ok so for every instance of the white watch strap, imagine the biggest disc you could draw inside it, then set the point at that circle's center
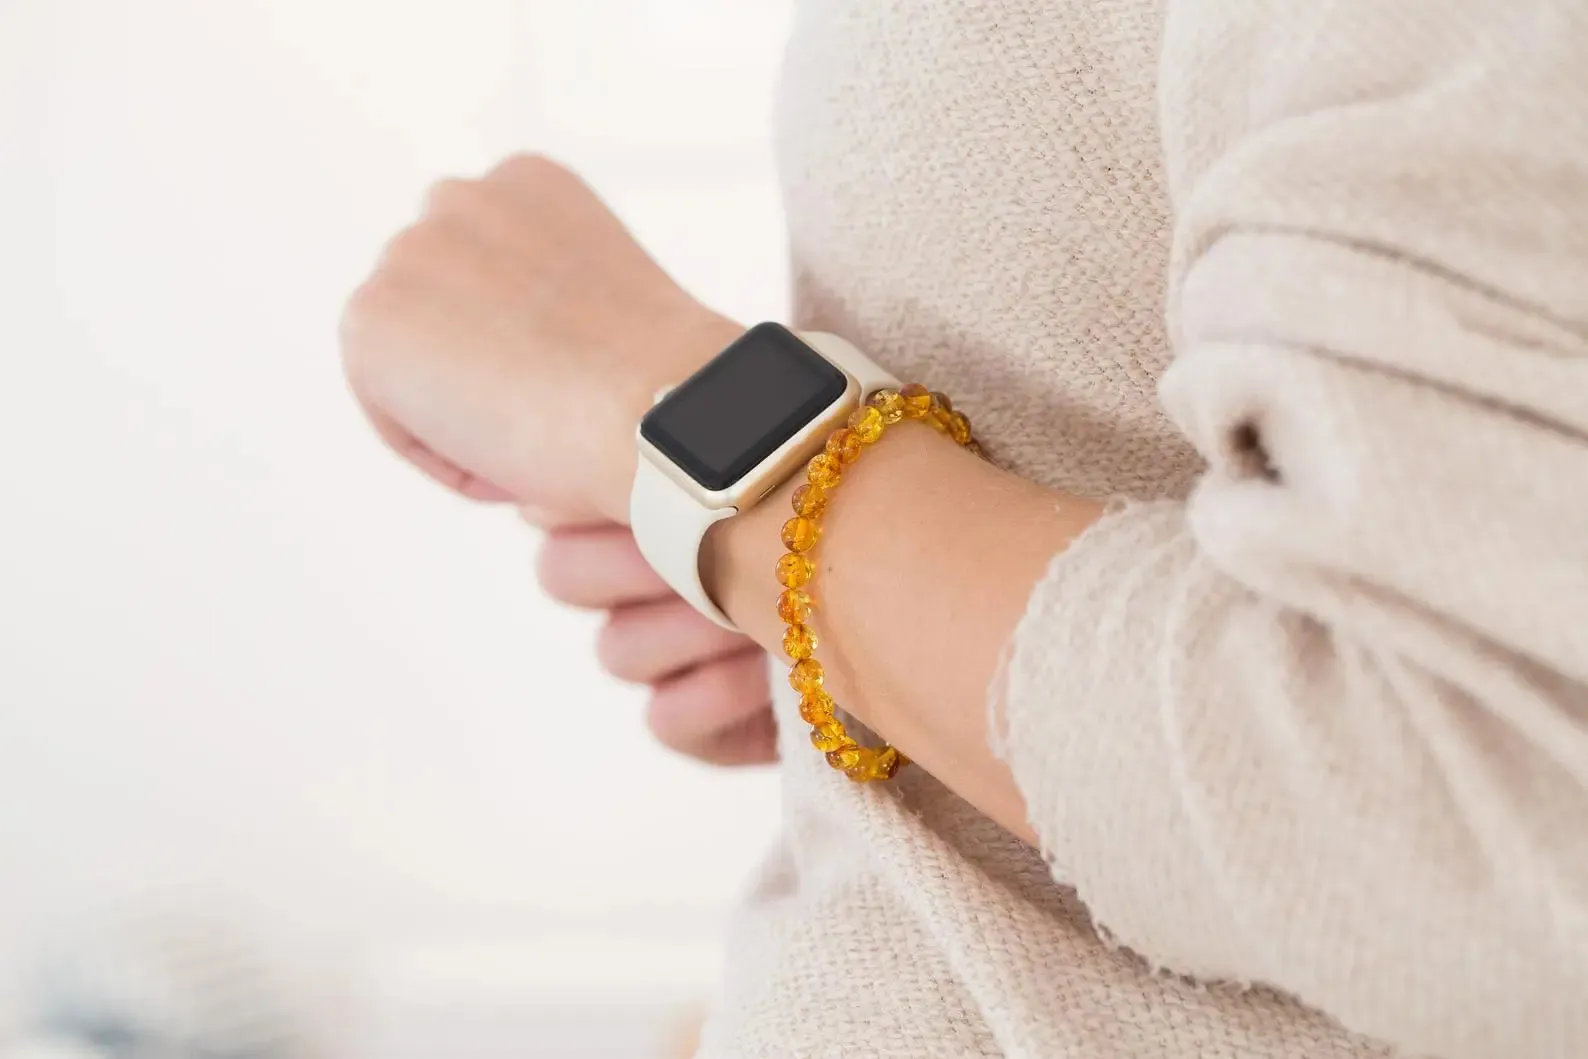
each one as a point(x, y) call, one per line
point(669, 524)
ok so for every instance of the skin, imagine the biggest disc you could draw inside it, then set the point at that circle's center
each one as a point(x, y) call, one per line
point(517, 297)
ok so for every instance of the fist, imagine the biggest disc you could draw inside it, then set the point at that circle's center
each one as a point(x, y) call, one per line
point(508, 341)
point(710, 695)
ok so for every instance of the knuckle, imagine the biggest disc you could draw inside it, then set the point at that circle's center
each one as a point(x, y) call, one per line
point(530, 171)
point(665, 729)
point(375, 299)
point(451, 195)
point(551, 573)
point(412, 246)
point(367, 307)
point(613, 651)
point(538, 518)
point(369, 300)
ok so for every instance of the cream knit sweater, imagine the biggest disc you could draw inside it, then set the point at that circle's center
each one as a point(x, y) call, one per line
point(1305, 720)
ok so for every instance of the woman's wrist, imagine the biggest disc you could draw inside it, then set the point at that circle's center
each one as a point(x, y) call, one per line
point(739, 556)
point(926, 558)
point(900, 541)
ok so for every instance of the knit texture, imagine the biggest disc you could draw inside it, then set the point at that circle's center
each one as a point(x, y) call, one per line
point(1303, 723)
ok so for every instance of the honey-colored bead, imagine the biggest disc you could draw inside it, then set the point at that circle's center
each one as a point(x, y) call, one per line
point(794, 570)
point(799, 642)
point(845, 757)
point(844, 445)
point(794, 606)
point(958, 427)
point(799, 534)
point(942, 408)
point(917, 400)
point(829, 737)
point(816, 707)
point(810, 501)
point(867, 423)
point(860, 771)
point(975, 449)
point(823, 471)
point(806, 675)
point(876, 767)
point(884, 764)
point(889, 403)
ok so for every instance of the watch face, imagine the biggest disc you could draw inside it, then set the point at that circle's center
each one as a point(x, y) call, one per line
point(722, 421)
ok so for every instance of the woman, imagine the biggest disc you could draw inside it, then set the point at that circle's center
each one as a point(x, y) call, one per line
point(1303, 708)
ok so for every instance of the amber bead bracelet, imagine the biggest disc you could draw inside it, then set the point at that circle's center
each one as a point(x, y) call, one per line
point(882, 409)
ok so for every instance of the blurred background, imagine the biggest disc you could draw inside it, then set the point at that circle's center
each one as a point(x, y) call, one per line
point(292, 754)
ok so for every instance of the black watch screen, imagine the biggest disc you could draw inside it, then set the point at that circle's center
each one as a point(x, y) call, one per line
point(722, 421)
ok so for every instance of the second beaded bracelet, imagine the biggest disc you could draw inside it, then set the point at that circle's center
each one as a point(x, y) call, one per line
point(796, 570)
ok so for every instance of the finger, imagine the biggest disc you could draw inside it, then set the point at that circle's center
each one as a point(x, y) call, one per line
point(433, 466)
point(644, 643)
point(720, 712)
point(546, 519)
point(599, 568)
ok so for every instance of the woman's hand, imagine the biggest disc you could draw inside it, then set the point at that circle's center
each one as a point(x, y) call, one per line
point(710, 696)
point(510, 339)
point(507, 343)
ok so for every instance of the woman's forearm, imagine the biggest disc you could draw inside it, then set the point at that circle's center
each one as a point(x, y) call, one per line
point(925, 562)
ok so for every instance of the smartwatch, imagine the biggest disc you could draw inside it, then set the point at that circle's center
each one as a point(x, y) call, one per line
point(728, 435)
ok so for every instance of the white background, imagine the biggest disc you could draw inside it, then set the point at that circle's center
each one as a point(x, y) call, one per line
point(250, 664)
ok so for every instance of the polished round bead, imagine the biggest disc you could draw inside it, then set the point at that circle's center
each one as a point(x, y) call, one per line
point(975, 449)
point(845, 757)
point(885, 763)
point(867, 423)
point(844, 445)
point(799, 643)
point(794, 606)
point(794, 570)
point(889, 403)
point(799, 534)
point(829, 737)
point(810, 501)
point(806, 675)
point(860, 771)
point(917, 400)
point(823, 471)
point(816, 707)
point(958, 427)
point(876, 764)
point(937, 417)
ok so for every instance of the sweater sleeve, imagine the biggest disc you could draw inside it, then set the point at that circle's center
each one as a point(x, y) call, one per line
point(1325, 726)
